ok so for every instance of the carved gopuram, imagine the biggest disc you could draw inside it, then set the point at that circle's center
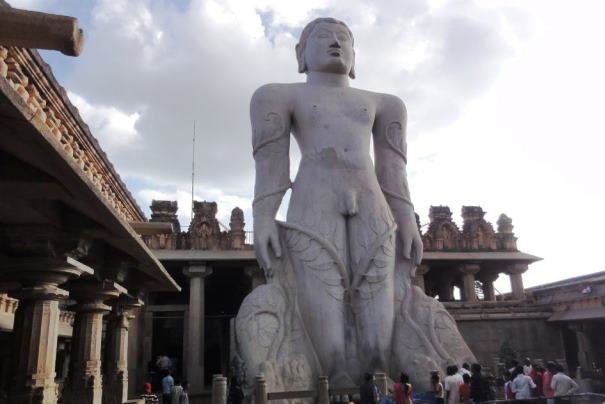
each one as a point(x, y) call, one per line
point(73, 267)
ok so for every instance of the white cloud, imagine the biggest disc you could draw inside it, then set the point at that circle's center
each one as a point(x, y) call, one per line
point(503, 98)
point(113, 128)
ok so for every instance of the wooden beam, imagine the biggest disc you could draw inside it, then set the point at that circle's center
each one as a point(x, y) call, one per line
point(31, 29)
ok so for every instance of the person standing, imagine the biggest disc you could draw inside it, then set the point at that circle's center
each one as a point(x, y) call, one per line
point(368, 391)
point(437, 388)
point(480, 390)
point(508, 392)
point(465, 370)
point(465, 389)
point(176, 393)
point(167, 384)
point(527, 367)
point(522, 384)
point(562, 384)
point(538, 378)
point(402, 391)
point(148, 395)
point(452, 383)
point(548, 392)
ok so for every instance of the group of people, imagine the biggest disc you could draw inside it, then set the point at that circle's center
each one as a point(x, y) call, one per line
point(173, 392)
point(462, 385)
point(534, 381)
point(459, 386)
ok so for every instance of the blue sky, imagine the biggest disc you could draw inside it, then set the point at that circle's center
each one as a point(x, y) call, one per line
point(504, 101)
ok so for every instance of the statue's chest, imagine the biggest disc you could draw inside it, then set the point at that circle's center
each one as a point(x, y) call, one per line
point(335, 111)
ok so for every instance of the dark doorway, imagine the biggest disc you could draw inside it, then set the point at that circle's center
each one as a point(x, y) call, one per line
point(226, 288)
point(570, 344)
point(167, 340)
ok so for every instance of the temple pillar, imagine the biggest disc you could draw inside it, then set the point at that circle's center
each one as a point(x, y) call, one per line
point(36, 326)
point(468, 281)
point(516, 280)
point(84, 384)
point(256, 274)
point(584, 346)
point(194, 360)
point(418, 278)
point(487, 280)
point(115, 385)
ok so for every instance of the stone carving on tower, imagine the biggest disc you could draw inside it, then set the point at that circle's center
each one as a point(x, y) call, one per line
point(477, 233)
point(237, 235)
point(442, 234)
point(204, 231)
point(506, 238)
point(164, 212)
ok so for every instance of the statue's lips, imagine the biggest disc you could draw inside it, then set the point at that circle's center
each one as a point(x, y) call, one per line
point(335, 52)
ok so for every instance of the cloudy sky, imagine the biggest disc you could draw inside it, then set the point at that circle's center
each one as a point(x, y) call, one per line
point(504, 100)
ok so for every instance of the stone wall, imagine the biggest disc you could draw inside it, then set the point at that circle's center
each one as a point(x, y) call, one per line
point(491, 339)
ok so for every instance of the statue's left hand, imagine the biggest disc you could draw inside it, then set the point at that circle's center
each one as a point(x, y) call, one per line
point(409, 235)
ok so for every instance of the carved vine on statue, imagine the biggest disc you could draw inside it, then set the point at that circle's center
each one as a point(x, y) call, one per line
point(339, 300)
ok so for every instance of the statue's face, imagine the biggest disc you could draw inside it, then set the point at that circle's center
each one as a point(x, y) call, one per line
point(329, 49)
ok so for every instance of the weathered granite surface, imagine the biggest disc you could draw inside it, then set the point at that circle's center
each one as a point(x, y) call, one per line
point(339, 301)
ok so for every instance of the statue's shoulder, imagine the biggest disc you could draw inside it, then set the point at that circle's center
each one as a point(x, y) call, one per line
point(275, 92)
point(384, 102)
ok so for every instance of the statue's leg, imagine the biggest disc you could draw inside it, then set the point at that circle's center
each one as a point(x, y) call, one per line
point(372, 256)
point(320, 279)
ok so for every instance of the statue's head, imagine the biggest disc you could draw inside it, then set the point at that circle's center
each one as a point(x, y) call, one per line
point(326, 45)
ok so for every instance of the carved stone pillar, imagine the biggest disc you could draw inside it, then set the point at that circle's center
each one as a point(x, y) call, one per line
point(194, 360)
point(487, 280)
point(516, 280)
point(115, 379)
point(418, 278)
point(36, 327)
point(468, 281)
point(256, 274)
point(85, 384)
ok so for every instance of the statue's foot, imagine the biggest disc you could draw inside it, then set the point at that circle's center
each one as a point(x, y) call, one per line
point(341, 380)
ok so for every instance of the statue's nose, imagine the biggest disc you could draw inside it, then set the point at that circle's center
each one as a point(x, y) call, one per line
point(335, 44)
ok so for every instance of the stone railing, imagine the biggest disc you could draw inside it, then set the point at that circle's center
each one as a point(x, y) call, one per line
point(59, 122)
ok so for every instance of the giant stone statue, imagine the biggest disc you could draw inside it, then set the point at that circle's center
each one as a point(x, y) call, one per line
point(339, 300)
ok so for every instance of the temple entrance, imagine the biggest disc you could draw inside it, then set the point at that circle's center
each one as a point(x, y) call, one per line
point(226, 288)
point(167, 340)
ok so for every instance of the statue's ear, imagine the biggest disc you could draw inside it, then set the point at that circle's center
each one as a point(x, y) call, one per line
point(352, 71)
point(300, 56)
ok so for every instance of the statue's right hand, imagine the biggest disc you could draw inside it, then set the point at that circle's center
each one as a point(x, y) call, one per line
point(265, 234)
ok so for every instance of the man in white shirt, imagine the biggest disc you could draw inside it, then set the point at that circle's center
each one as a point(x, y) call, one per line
point(522, 385)
point(452, 383)
point(562, 384)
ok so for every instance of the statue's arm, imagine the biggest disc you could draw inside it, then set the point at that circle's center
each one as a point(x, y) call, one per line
point(390, 160)
point(270, 118)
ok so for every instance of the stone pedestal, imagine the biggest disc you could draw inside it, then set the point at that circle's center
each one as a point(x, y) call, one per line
point(194, 360)
point(418, 278)
point(468, 281)
point(323, 390)
point(84, 384)
point(115, 379)
point(219, 389)
point(36, 328)
point(260, 390)
point(516, 280)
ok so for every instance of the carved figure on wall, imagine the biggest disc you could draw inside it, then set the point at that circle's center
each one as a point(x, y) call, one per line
point(339, 301)
point(204, 231)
